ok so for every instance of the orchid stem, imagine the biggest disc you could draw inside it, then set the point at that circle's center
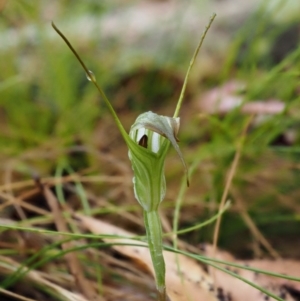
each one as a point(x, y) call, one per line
point(92, 78)
point(179, 103)
point(154, 237)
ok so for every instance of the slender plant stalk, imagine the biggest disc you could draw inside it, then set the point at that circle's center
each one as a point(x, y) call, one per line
point(91, 77)
point(154, 237)
point(180, 100)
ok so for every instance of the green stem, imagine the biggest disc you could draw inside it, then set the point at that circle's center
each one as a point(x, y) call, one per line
point(179, 103)
point(92, 78)
point(154, 237)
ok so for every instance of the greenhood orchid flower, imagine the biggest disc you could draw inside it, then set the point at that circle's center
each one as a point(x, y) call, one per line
point(153, 133)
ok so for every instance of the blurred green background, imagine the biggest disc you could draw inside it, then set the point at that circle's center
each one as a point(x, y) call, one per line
point(139, 52)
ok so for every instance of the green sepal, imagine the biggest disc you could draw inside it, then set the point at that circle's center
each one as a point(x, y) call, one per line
point(148, 162)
